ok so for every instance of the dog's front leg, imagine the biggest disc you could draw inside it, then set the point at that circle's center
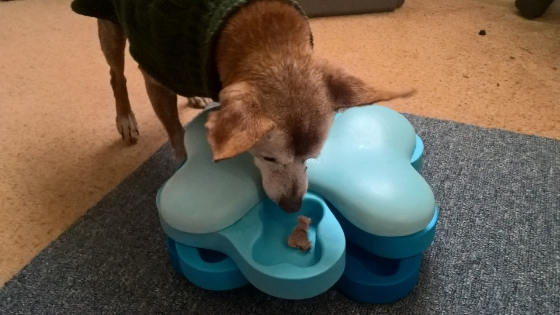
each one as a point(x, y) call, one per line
point(113, 42)
point(164, 102)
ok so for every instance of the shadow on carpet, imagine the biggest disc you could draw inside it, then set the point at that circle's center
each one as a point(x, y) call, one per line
point(496, 249)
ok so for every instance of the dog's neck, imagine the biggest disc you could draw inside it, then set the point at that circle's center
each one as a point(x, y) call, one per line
point(258, 37)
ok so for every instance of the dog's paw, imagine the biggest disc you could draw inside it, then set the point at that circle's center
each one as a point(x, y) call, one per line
point(127, 127)
point(198, 102)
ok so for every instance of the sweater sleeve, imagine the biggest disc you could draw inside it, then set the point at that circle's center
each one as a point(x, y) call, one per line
point(101, 9)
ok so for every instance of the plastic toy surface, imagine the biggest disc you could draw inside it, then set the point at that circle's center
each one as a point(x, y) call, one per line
point(372, 215)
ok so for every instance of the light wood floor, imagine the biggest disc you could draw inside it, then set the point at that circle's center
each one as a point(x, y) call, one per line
point(60, 152)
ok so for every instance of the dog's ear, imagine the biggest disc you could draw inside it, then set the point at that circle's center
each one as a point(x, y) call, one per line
point(348, 91)
point(238, 124)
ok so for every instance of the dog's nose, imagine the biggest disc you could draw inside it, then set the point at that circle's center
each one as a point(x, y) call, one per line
point(290, 206)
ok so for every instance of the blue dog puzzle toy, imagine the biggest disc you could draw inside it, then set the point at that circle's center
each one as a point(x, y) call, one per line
point(372, 215)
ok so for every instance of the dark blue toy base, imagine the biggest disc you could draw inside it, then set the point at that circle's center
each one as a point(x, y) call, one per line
point(205, 268)
point(373, 279)
point(367, 278)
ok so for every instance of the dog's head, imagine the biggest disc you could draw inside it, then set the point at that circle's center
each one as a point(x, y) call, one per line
point(282, 117)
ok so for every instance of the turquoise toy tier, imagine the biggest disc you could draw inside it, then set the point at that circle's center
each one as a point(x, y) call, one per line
point(372, 215)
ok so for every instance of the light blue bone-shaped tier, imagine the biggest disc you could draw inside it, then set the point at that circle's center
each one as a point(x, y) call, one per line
point(222, 207)
point(223, 232)
point(367, 173)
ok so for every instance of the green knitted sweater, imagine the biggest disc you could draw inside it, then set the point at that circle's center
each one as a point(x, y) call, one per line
point(174, 41)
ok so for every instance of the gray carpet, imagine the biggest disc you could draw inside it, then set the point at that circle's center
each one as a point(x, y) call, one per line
point(496, 248)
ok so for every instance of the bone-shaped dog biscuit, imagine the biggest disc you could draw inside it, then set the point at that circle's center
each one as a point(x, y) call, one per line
point(299, 238)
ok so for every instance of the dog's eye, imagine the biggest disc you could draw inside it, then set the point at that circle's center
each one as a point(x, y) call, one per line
point(269, 159)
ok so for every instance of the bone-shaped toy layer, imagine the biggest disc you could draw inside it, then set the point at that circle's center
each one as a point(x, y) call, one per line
point(203, 196)
point(364, 170)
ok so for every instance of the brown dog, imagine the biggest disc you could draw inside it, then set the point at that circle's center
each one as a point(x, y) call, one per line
point(278, 100)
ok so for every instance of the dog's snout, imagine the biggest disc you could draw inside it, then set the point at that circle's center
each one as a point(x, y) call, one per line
point(290, 206)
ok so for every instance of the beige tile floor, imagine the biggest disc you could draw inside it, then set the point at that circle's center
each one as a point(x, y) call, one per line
point(60, 152)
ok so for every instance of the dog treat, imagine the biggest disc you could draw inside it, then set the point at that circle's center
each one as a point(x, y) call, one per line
point(299, 238)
